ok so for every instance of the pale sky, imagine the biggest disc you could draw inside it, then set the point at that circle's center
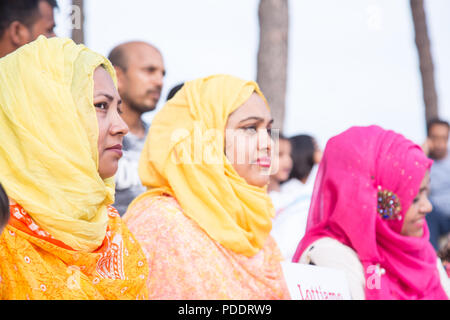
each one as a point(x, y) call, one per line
point(351, 62)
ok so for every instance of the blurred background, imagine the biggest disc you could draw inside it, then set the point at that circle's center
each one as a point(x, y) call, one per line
point(324, 65)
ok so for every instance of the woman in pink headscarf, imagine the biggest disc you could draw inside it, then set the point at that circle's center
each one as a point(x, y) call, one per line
point(367, 217)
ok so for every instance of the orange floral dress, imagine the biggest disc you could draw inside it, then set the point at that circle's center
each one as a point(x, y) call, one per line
point(34, 265)
point(185, 263)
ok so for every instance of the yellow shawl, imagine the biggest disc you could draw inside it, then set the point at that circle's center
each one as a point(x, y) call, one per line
point(49, 132)
point(184, 157)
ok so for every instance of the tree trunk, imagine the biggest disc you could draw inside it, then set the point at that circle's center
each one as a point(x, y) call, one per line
point(78, 21)
point(425, 59)
point(273, 55)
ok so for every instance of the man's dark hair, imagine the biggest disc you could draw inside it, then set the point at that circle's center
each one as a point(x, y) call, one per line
point(435, 122)
point(4, 207)
point(118, 58)
point(24, 11)
point(303, 149)
point(174, 90)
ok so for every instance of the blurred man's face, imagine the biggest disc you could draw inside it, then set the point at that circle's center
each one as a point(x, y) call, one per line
point(438, 136)
point(45, 23)
point(142, 82)
point(19, 34)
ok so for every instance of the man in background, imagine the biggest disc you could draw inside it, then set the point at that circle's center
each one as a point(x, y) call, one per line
point(22, 21)
point(437, 147)
point(140, 74)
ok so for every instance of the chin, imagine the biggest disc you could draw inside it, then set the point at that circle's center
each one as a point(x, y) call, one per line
point(261, 182)
point(108, 172)
point(416, 234)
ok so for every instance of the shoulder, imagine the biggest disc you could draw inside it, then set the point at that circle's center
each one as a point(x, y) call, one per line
point(153, 207)
point(445, 280)
point(292, 185)
point(157, 215)
point(328, 252)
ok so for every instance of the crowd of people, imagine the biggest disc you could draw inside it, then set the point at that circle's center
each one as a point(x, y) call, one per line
point(202, 203)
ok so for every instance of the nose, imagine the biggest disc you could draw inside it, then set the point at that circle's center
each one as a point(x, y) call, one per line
point(426, 207)
point(118, 125)
point(159, 78)
point(264, 140)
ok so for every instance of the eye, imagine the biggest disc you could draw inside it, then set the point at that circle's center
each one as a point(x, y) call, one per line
point(269, 131)
point(250, 129)
point(101, 105)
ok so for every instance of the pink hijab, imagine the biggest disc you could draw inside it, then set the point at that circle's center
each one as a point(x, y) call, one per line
point(344, 207)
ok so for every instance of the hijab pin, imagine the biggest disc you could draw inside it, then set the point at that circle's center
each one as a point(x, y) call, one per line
point(388, 205)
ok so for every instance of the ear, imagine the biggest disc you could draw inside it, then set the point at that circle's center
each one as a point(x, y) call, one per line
point(19, 34)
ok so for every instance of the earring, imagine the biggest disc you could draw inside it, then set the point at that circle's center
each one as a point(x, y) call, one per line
point(388, 205)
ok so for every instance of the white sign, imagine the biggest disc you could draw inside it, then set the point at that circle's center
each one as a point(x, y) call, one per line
point(308, 282)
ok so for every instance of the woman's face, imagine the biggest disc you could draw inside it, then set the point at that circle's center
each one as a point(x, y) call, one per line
point(284, 161)
point(414, 221)
point(248, 144)
point(317, 156)
point(111, 127)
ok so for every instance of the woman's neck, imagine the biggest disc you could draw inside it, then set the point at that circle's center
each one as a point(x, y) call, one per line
point(274, 185)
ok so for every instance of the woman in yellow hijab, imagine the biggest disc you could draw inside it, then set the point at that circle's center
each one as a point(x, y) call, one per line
point(204, 222)
point(61, 141)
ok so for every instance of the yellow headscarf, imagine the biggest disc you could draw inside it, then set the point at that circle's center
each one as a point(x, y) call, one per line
point(49, 133)
point(184, 157)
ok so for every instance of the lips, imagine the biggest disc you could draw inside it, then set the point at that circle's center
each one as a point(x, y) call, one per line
point(419, 223)
point(117, 149)
point(264, 162)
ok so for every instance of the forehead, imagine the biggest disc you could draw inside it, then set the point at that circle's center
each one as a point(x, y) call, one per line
point(285, 145)
point(103, 82)
point(425, 180)
point(46, 12)
point(142, 54)
point(439, 129)
point(253, 107)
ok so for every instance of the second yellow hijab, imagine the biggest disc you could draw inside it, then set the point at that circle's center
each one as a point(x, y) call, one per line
point(48, 144)
point(184, 157)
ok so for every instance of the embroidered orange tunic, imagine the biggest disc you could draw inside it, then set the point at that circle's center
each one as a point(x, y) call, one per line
point(185, 263)
point(34, 265)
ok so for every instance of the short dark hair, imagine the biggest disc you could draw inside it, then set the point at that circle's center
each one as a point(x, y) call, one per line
point(4, 208)
point(24, 11)
point(436, 121)
point(118, 57)
point(303, 148)
point(174, 90)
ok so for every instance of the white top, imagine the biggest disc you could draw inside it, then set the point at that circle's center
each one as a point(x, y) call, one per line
point(328, 252)
point(291, 206)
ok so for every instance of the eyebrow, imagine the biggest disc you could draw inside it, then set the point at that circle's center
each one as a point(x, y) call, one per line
point(108, 96)
point(255, 118)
